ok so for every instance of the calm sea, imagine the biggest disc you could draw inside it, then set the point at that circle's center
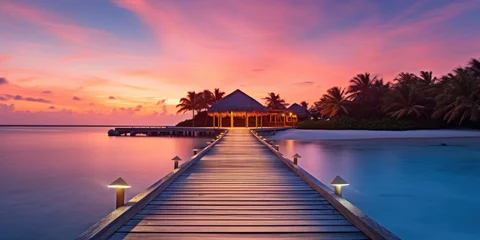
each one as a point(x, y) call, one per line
point(414, 187)
point(53, 180)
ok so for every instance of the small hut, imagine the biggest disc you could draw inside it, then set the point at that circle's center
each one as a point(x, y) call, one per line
point(299, 111)
point(240, 105)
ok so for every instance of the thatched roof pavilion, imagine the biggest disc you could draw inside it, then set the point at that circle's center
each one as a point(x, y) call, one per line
point(239, 103)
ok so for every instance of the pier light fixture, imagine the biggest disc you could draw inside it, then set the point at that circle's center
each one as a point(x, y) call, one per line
point(295, 158)
point(277, 147)
point(120, 185)
point(175, 164)
point(195, 151)
point(338, 183)
point(208, 143)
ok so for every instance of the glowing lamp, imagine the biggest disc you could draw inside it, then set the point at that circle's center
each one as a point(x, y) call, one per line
point(175, 164)
point(338, 183)
point(295, 158)
point(120, 185)
point(195, 151)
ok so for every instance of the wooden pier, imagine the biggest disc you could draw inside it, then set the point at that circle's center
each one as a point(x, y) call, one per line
point(238, 187)
point(166, 131)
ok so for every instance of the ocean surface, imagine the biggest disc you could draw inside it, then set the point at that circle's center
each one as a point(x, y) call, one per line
point(53, 180)
point(416, 188)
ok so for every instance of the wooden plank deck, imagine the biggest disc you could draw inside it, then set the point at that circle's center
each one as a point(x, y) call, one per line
point(239, 189)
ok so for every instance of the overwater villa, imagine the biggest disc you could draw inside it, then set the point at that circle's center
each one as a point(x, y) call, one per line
point(240, 110)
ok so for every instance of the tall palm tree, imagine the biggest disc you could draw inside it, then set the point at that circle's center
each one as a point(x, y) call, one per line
point(460, 97)
point(189, 103)
point(427, 78)
point(406, 78)
point(217, 95)
point(405, 100)
point(361, 84)
point(274, 101)
point(335, 102)
point(205, 99)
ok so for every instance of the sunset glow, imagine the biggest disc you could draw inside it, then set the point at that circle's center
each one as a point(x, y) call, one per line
point(130, 61)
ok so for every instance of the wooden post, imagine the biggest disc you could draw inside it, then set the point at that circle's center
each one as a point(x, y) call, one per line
point(246, 119)
point(119, 186)
point(175, 164)
point(256, 121)
point(295, 158)
point(213, 117)
point(220, 118)
point(231, 119)
point(275, 120)
point(120, 197)
point(261, 121)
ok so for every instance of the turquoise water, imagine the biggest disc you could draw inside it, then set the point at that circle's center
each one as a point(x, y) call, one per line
point(414, 187)
point(53, 180)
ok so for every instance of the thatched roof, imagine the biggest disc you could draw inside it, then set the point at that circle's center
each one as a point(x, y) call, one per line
point(237, 101)
point(299, 110)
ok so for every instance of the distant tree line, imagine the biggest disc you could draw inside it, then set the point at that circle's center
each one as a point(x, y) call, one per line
point(453, 98)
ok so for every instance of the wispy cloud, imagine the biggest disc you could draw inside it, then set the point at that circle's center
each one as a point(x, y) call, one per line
point(75, 98)
point(17, 97)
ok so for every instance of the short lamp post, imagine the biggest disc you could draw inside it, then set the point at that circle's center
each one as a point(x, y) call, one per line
point(175, 164)
point(338, 183)
point(120, 186)
point(295, 158)
point(277, 147)
point(195, 151)
point(208, 143)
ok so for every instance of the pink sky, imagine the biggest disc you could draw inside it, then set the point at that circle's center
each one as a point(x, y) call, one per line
point(130, 61)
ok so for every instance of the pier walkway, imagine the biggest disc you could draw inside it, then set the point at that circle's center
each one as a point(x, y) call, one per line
point(239, 189)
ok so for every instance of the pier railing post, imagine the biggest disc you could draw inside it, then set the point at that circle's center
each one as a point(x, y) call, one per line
point(119, 186)
point(338, 183)
point(175, 164)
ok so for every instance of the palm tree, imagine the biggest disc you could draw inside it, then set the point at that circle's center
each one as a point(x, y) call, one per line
point(427, 78)
point(217, 95)
point(274, 101)
point(205, 99)
point(405, 100)
point(189, 103)
point(360, 85)
point(474, 65)
point(304, 104)
point(406, 78)
point(460, 97)
point(334, 102)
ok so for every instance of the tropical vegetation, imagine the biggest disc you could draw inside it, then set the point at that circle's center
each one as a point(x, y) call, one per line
point(199, 102)
point(409, 101)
